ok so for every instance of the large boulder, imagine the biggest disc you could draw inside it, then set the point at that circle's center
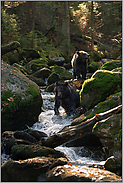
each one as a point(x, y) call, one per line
point(100, 86)
point(29, 151)
point(110, 132)
point(21, 99)
point(69, 173)
point(29, 170)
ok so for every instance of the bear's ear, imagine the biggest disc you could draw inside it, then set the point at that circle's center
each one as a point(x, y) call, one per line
point(78, 53)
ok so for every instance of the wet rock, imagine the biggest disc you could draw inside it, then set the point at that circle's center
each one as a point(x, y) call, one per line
point(21, 99)
point(35, 133)
point(101, 85)
point(30, 151)
point(110, 65)
point(28, 170)
point(114, 164)
point(69, 173)
point(42, 73)
point(24, 136)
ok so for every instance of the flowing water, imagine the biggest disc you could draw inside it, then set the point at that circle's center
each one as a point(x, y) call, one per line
point(50, 124)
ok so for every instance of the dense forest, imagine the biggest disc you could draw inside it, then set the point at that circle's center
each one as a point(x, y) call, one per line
point(57, 126)
point(57, 28)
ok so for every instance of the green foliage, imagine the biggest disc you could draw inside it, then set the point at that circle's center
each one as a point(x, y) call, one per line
point(9, 27)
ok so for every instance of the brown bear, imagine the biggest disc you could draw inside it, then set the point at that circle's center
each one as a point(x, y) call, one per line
point(79, 64)
point(66, 96)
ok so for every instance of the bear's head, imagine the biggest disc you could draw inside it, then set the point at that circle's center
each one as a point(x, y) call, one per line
point(84, 55)
point(62, 89)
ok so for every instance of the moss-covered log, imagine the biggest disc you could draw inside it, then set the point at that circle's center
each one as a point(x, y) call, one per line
point(10, 47)
point(71, 132)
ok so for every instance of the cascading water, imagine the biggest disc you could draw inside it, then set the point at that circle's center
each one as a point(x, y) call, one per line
point(51, 124)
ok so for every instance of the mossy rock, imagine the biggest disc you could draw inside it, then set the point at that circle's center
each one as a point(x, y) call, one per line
point(93, 66)
point(20, 68)
point(31, 151)
point(101, 85)
point(109, 132)
point(110, 102)
point(29, 54)
point(62, 72)
point(112, 65)
point(38, 81)
point(21, 99)
point(56, 61)
point(53, 77)
point(7, 144)
point(35, 65)
point(11, 58)
point(42, 73)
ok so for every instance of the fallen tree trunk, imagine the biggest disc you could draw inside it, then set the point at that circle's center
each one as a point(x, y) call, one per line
point(70, 132)
point(9, 47)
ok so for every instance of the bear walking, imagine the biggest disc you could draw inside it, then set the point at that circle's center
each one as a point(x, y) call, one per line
point(79, 64)
point(66, 96)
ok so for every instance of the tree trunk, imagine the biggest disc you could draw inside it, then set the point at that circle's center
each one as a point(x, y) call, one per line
point(65, 24)
point(92, 26)
point(70, 132)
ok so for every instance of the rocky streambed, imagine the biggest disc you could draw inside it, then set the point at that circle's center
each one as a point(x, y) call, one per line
point(32, 162)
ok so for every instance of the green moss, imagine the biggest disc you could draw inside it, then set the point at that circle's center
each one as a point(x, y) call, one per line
point(62, 72)
point(30, 151)
point(102, 84)
point(112, 65)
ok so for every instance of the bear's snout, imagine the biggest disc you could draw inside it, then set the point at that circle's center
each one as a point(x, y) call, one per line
point(59, 94)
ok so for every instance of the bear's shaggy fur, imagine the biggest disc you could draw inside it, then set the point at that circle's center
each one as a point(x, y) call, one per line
point(66, 96)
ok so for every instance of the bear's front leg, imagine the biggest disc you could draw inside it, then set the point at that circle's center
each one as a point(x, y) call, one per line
point(57, 105)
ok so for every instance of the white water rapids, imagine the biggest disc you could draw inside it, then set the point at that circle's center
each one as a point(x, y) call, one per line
point(50, 124)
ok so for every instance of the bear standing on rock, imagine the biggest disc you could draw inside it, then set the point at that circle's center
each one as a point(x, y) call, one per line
point(79, 64)
point(66, 96)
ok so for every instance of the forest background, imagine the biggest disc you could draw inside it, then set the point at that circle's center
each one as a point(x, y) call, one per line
point(59, 28)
